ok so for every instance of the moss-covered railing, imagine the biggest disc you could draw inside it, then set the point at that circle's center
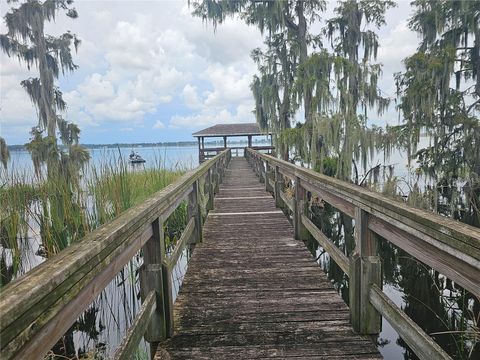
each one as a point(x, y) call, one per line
point(447, 246)
point(39, 307)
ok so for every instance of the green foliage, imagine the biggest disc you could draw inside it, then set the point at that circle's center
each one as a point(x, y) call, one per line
point(285, 26)
point(26, 40)
point(47, 209)
point(440, 100)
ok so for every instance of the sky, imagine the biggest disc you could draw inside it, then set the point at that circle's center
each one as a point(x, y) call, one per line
point(150, 72)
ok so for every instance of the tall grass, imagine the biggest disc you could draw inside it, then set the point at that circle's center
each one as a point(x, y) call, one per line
point(39, 218)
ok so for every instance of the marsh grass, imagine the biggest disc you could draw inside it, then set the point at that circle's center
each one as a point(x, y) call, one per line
point(39, 218)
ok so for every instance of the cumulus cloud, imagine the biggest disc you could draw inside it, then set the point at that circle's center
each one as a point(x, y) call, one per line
point(158, 125)
point(141, 61)
point(209, 116)
point(190, 97)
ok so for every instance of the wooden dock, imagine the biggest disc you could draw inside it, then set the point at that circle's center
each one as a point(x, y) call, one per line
point(252, 291)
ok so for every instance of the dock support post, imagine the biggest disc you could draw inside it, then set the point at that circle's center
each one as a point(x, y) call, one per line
point(278, 188)
point(168, 298)
point(211, 193)
point(365, 270)
point(300, 207)
point(193, 210)
point(268, 175)
point(216, 178)
point(261, 170)
point(151, 278)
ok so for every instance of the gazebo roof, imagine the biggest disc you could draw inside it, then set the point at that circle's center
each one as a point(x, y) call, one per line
point(231, 130)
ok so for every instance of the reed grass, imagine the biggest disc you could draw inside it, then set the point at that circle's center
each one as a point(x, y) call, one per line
point(39, 217)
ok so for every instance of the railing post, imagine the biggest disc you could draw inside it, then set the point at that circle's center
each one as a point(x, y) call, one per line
point(211, 193)
point(261, 170)
point(216, 178)
point(151, 278)
point(300, 206)
point(365, 270)
point(268, 176)
point(168, 298)
point(193, 210)
point(278, 188)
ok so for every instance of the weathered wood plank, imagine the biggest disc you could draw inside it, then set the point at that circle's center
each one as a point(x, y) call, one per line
point(460, 236)
point(422, 344)
point(180, 245)
point(443, 261)
point(253, 291)
point(130, 342)
point(37, 308)
point(337, 255)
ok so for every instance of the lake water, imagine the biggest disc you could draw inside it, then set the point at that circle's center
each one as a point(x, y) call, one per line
point(100, 329)
point(169, 157)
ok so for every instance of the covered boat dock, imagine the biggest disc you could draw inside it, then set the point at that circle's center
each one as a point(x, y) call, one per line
point(225, 131)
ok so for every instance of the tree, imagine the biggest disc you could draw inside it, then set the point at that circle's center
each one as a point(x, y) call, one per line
point(273, 18)
point(4, 153)
point(27, 41)
point(439, 95)
point(273, 88)
point(52, 56)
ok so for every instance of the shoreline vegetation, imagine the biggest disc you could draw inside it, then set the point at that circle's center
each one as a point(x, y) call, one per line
point(42, 216)
point(149, 144)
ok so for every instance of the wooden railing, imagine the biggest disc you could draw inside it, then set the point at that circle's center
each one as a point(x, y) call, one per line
point(39, 307)
point(447, 246)
point(208, 153)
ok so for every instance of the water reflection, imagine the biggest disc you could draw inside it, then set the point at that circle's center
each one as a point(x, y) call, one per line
point(441, 308)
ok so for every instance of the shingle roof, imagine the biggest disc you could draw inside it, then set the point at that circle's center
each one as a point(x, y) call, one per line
point(231, 130)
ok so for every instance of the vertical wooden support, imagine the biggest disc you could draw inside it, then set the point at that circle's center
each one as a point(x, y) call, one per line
point(151, 278)
point(225, 142)
point(261, 170)
point(193, 210)
point(278, 188)
point(216, 178)
point(200, 152)
point(168, 298)
point(249, 141)
point(268, 176)
point(300, 207)
point(365, 270)
point(211, 193)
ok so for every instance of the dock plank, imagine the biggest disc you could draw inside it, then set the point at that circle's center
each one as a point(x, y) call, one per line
point(252, 291)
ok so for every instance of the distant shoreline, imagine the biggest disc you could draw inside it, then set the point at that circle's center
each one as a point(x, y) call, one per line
point(140, 145)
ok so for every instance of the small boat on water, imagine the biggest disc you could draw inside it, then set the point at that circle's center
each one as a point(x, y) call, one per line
point(135, 158)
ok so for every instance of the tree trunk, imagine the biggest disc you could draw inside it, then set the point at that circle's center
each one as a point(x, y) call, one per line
point(303, 56)
point(476, 52)
point(46, 103)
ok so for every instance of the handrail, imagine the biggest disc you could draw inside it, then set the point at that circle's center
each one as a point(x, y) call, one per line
point(448, 246)
point(40, 306)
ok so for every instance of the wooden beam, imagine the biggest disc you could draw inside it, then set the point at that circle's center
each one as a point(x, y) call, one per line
point(39, 307)
point(462, 237)
point(129, 344)
point(333, 251)
point(422, 344)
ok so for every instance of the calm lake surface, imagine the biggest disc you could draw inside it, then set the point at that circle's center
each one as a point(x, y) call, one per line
point(100, 329)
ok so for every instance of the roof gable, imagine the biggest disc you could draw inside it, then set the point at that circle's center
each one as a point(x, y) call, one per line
point(231, 130)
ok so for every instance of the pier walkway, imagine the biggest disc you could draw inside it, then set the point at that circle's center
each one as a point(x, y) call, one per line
point(252, 291)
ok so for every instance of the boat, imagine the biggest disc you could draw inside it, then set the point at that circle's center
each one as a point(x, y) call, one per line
point(135, 158)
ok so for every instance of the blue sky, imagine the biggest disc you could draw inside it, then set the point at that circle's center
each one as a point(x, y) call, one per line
point(149, 72)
